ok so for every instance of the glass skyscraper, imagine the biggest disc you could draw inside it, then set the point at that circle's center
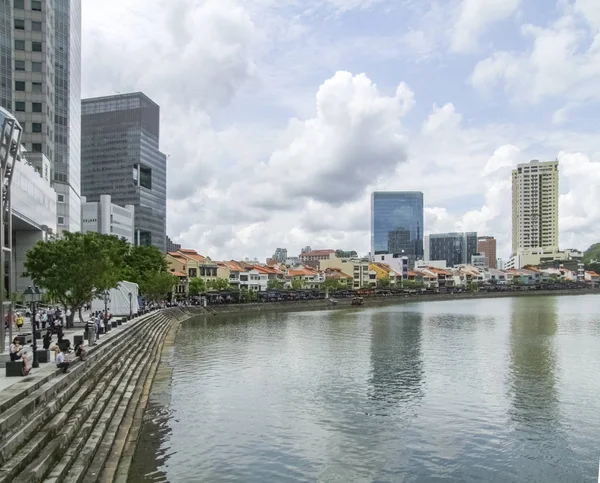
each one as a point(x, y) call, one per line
point(397, 224)
point(120, 157)
point(455, 248)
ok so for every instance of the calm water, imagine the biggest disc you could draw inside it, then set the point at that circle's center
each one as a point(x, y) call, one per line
point(498, 390)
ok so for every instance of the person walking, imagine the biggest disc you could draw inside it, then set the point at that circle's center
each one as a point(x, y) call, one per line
point(19, 322)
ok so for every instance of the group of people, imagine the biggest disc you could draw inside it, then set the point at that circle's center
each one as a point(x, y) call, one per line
point(51, 318)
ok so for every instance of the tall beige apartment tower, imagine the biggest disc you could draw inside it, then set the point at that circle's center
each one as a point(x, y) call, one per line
point(535, 206)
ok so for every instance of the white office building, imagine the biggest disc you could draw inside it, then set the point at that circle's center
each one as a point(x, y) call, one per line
point(107, 218)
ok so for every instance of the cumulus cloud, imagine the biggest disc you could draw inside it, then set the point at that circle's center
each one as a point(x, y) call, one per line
point(563, 60)
point(273, 142)
point(474, 17)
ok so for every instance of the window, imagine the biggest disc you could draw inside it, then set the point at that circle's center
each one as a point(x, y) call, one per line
point(36, 147)
point(36, 107)
point(36, 5)
point(146, 177)
point(36, 127)
point(36, 67)
point(19, 65)
point(36, 87)
point(20, 106)
point(36, 46)
point(19, 85)
point(19, 45)
point(19, 4)
point(60, 198)
point(19, 24)
point(36, 26)
point(61, 220)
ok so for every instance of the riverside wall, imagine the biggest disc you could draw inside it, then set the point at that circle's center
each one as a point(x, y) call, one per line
point(304, 305)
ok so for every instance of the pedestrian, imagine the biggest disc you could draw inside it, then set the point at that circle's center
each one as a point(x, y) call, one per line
point(44, 318)
point(47, 340)
point(19, 322)
point(81, 352)
point(61, 360)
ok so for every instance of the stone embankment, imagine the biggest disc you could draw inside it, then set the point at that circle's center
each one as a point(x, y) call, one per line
point(321, 304)
point(82, 426)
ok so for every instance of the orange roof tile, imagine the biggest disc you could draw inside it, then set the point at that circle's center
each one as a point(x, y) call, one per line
point(316, 253)
point(179, 274)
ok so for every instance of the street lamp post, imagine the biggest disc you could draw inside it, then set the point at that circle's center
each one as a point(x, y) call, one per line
point(33, 296)
point(130, 311)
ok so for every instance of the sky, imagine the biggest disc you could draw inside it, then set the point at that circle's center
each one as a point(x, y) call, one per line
point(280, 117)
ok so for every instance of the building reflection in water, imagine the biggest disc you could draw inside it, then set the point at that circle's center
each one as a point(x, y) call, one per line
point(396, 358)
point(533, 387)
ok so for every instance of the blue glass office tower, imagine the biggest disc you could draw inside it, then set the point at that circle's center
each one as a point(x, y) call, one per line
point(397, 223)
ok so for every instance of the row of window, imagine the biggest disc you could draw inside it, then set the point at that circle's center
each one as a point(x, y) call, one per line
point(36, 87)
point(36, 5)
point(35, 106)
point(35, 46)
point(35, 26)
point(22, 66)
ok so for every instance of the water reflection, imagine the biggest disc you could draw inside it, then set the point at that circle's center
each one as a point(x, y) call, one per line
point(396, 359)
point(533, 393)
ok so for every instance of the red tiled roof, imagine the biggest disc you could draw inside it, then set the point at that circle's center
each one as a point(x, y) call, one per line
point(301, 272)
point(179, 274)
point(592, 274)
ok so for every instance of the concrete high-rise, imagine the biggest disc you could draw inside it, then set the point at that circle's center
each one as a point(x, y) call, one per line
point(45, 47)
point(397, 224)
point(487, 246)
point(535, 207)
point(120, 157)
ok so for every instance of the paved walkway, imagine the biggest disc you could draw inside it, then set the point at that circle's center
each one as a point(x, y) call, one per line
point(20, 383)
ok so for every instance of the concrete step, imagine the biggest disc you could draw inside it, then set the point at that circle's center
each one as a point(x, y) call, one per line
point(20, 422)
point(83, 449)
point(94, 456)
point(62, 428)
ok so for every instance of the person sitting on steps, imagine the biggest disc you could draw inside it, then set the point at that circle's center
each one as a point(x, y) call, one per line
point(61, 360)
point(17, 353)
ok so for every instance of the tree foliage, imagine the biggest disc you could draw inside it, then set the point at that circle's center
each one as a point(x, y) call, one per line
point(142, 262)
point(592, 257)
point(298, 284)
point(384, 282)
point(275, 284)
point(76, 267)
point(155, 287)
point(218, 284)
point(331, 284)
point(197, 286)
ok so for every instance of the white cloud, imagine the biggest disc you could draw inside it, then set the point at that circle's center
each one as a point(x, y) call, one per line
point(272, 141)
point(563, 62)
point(474, 17)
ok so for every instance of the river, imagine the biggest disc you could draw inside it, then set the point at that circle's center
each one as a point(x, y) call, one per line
point(486, 390)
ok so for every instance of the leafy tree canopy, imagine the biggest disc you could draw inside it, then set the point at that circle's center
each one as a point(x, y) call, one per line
point(156, 286)
point(218, 284)
point(331, 284)
point(77, 266)
point(142, 262)
point(592, 254)
point(197, 286)
point(276, 284)
point(298, 283)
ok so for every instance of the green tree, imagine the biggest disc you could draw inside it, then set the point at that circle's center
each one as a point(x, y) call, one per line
point(76, 267)
point(156, 286)
point(218, 284)
point(142, 262)
point(276, 284)
point(298, 284)
point(384, 282)
point(331, 285)
point(197, 286)
point(592, 254)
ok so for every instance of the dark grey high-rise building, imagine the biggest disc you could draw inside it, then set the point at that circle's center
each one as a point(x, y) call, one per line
point(455, 248)
point(397, 224)
point(120, 157)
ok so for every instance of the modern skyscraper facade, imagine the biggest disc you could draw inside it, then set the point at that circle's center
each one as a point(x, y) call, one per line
point(120, 157)
point(280, 255)
point(67, 113)
point(397, 224)
point(455, 248)
point(171, 246)
point(6, 47)
point(535, 206)
point(46, 92)
point(487, 246)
